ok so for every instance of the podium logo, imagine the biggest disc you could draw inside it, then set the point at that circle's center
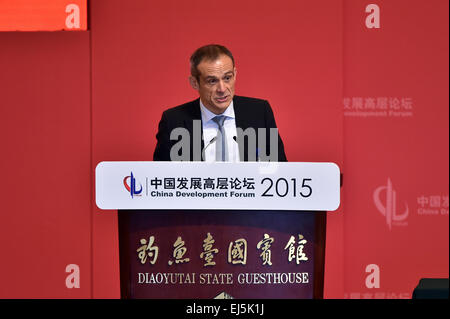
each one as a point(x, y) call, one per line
point(389, 208)
point(130, 185)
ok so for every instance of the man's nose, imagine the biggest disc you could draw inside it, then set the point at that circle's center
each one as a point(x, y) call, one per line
point(221, 86)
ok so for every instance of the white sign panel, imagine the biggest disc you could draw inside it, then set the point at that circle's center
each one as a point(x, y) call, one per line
point(220, 185)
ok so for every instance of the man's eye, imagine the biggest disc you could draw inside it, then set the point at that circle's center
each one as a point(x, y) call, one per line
point(212, 81)
point(227, 78)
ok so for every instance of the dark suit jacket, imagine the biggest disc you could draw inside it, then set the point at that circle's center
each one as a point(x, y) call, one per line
point(249, 112)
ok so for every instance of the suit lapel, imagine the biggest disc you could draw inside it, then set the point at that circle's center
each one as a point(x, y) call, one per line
point(243, 122)
point(194, 114)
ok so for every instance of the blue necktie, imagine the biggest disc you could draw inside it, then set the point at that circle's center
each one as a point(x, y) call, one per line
point(221, 153)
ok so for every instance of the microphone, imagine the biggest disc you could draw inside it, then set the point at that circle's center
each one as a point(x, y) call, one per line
point(239, 155)
point(204, 149)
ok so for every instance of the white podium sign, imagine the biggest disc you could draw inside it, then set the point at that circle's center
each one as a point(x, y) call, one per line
point(221, 185)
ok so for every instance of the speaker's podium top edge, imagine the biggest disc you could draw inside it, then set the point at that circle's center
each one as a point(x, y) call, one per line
point(287, 186)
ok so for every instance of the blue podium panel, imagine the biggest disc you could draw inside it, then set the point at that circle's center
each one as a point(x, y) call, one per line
point(221, 254)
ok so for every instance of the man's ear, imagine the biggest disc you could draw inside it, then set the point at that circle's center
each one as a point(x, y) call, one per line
point(235, 72)
point(194, 83)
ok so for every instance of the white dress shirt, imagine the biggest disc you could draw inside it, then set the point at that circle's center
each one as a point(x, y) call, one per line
point(210, 129)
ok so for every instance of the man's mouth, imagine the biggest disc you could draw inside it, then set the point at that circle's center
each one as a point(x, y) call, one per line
point(222, 99)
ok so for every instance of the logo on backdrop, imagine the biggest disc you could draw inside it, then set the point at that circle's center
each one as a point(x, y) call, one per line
point(389, 208)
point(378, 106)
point(130, 185)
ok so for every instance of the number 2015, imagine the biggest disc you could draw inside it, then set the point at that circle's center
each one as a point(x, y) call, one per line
point(282, 187)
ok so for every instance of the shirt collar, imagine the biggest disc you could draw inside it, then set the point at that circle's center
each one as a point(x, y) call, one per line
point(207, 115)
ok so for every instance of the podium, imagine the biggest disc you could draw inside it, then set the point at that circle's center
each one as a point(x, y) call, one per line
point(196, 230)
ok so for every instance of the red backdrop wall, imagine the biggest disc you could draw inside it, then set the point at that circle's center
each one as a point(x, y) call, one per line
point(400, 69)
point(46, 163)
point(71, 100)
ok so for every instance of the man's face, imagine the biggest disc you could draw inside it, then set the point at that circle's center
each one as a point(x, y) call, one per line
point(216, 83)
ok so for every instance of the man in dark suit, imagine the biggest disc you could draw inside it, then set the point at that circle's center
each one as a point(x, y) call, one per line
point(218, 125)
